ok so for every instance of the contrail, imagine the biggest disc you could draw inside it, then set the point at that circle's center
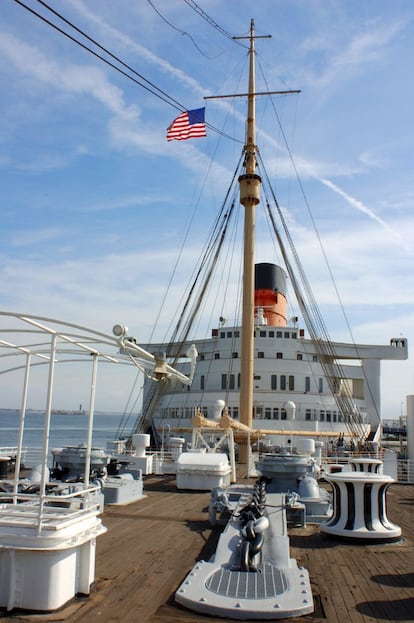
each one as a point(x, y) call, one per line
point(359, 206)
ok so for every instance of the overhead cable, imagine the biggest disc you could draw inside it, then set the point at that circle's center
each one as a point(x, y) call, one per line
point(149, 86)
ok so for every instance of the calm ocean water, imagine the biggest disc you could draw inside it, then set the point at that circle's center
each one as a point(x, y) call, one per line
point(65, 430)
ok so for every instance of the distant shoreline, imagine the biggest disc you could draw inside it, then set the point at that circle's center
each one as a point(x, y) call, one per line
point(61, 411)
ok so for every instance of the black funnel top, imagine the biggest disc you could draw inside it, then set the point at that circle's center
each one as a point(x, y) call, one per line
point(270, 277)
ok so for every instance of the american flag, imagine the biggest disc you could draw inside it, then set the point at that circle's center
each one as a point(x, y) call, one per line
point(190, 124)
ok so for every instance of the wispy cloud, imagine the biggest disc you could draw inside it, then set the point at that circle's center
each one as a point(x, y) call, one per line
point(343, 56)
point(36, 237)
point(143, 52)
point(70, 78)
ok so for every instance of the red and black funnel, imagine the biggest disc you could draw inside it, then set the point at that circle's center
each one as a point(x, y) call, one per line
point(270, 293)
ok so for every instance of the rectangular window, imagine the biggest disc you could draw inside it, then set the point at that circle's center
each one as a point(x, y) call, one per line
point(299, 356)
point(279, 355)
point(231, 381)
point(237, 334)
point(235, 355)
point(273, 381)
point(229, 333)
point(258, 413)
point(307, 383)
point(202, 356)
point(283, 415)
point(320, 386)
point(222, 334)
point(321, 416)
point(328, 416)
point(202, 382)
point(282, 382)
point(235, 413)
point(294, 336)
point(216, 355)
point(268, 413)
point(291, 383)
point(287, 334)
point(308, 415)
point(314, 358)
point(224, 381)
point(260, 355)
point(275, 413)
point(279, 333)
point(271, 334)
point(262, 334)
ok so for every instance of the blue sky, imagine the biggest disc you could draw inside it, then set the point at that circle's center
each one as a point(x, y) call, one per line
point(94, 201)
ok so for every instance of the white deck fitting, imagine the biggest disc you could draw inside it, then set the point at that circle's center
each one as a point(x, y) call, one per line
point(122, 489)
point(279, 589)
point(360, 508)
point(366, 465)
point(203, 471)
point(47, 555)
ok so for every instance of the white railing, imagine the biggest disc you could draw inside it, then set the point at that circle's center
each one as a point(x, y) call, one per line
point(164, 462)
point(8, 450)
point(402, 470)
point(405, 471)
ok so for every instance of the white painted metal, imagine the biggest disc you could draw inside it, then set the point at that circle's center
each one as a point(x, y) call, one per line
point(48, 557)
point(47, 542)
point(360, 508)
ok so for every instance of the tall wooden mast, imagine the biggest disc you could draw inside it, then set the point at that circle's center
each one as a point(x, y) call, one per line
point(250, 185)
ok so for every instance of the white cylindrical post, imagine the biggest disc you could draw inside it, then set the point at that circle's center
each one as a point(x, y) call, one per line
point(90, 420)
point(21, 429)
point(360, 508)
point(410, 428)
point(140, 441)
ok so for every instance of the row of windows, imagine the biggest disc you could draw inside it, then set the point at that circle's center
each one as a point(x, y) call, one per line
point(267, 413)
point(260, 355)
point(311, 415)
point(268, 333)
point(283, 382)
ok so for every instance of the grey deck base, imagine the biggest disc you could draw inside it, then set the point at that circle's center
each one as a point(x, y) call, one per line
point(271, 593)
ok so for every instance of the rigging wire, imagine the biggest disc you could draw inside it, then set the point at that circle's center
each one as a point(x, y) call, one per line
point(149, 86)
point(214, 244)
point(325, 257)
point(314, 321)
point(197, 293)
point(182, 32)
point(166, 98)
point(193, 5)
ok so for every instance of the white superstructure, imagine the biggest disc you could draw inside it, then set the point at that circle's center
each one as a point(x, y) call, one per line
point(291, 391)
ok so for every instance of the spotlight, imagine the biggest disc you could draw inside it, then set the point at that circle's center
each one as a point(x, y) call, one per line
point(119, 330)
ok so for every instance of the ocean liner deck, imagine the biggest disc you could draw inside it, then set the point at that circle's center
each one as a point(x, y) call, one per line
point(152, 544)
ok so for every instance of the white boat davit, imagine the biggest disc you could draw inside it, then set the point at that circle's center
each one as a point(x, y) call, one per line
point(48, 530)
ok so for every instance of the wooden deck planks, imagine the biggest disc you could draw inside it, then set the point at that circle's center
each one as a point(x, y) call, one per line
point(365, 582)
point(152, 544)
